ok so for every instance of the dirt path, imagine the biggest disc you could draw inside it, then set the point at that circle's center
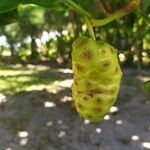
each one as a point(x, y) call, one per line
point(46, 120)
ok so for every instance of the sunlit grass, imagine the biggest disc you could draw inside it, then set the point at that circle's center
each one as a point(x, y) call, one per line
point(17, 79)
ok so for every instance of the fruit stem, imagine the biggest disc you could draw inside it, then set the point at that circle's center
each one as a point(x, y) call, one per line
point(78, 9)
point(90, 28)
point(100, 22)
point(116, 15)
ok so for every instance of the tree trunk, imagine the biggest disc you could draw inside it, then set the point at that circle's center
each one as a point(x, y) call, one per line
point(12, 50)
point(74, 20)
point(128, 45)
point(139, 46)
point(139, 54)
point(118, 40)
point(34, 52)
point(47, 48)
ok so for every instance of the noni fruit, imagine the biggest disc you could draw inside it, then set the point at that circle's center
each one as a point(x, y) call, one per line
point(97, 77)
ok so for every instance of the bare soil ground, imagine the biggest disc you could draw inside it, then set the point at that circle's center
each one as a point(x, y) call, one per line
point(45, 119)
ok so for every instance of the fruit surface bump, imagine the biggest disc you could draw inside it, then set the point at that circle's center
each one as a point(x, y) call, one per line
point(97, 77)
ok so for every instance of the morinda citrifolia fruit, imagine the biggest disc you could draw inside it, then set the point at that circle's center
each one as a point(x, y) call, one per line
point(97, 76)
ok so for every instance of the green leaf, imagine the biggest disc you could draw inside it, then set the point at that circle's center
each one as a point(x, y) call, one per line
point(7, 5)
point(147, 86)
point(145, 4)
point(50, 4)
point(9, 17)
point(8, 14)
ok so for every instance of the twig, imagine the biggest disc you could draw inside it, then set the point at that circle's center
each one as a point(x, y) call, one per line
point(105, 7)
point(90, 29)
point(118, 14)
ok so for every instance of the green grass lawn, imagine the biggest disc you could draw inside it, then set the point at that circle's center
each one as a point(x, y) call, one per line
point(17, 79)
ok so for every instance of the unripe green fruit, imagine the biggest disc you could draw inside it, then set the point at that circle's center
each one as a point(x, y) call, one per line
point(97, 77)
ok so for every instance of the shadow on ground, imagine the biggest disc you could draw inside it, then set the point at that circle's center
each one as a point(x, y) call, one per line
point(43, 120)
point(14, 80)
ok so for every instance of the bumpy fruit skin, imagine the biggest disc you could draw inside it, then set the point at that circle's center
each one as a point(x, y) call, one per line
point(97, 77)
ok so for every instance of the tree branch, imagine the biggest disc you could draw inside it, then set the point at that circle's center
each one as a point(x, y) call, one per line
point(118, 14)
point(105, 7)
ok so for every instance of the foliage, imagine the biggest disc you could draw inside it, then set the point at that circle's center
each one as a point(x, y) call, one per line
point(62, 26)
point(50, 4)
point(12, 16)
point(31, 17)
point(147, 86)
point(8, 5)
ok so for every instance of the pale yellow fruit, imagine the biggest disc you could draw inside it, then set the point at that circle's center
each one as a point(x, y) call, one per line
point(97, 77)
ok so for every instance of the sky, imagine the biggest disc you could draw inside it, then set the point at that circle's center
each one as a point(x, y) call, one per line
point(3, 40)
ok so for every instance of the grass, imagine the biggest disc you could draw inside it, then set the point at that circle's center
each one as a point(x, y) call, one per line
point(17, 79)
